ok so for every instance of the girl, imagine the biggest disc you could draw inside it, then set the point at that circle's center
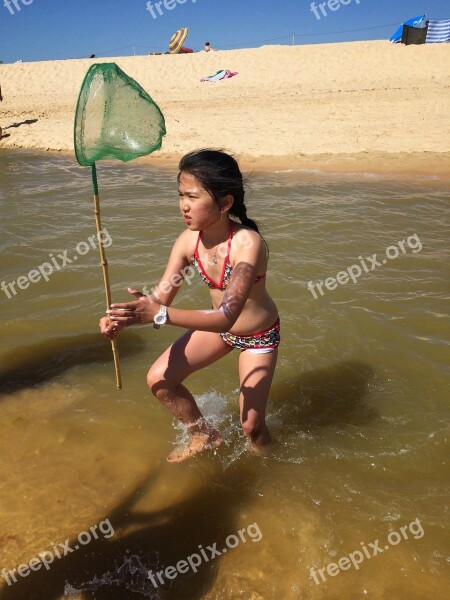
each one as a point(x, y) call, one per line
point(231, 259)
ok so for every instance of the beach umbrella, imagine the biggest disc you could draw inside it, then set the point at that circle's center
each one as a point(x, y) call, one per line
point(177, 40)
point(114, 118)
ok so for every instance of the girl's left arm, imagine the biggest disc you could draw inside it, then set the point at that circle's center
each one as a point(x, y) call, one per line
point(221, 319)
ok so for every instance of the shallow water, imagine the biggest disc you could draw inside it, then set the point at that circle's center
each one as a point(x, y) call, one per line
point(359, 404)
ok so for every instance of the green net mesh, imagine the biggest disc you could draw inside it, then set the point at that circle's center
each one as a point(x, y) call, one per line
point(115, 117)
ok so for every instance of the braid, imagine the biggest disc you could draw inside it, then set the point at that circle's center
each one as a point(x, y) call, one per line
point(239, 210)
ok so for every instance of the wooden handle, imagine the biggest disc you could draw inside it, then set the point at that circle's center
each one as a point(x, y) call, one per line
point(104, 263)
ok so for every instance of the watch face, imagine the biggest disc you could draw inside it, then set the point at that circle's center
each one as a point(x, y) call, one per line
point(161, 317)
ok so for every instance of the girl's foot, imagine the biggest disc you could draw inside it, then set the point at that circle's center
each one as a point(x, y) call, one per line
point(266, 449)
point(199, 443)
point(260, 450)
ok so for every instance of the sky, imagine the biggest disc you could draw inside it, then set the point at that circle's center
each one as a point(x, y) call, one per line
point(35, 30)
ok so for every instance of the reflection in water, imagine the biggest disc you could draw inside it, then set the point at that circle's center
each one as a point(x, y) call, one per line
point(117, 568)
point(28, 366)
point(330, 396)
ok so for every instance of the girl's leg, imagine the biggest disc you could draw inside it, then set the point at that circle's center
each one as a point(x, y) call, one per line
point(256, 374)
point(193, 351)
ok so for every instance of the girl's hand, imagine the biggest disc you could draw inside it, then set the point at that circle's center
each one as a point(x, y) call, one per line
point(139, 312)
point(108, 329)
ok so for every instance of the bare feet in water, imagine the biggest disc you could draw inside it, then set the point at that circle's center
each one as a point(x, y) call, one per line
point(199, 443)
point(260, 449)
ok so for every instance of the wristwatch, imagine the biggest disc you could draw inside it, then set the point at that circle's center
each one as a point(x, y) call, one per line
point(161, 317)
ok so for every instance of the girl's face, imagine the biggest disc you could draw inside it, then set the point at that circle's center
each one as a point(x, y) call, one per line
point(197, 206)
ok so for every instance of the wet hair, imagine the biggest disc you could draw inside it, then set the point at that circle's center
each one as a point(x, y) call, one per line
point(219, 175)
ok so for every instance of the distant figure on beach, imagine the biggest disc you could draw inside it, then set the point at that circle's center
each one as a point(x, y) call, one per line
point(1, 100)
point(92, 56)
point(209, 48)
point(231, 259)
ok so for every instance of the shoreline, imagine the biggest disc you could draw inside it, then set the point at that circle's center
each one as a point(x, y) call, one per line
point(418, 165)
point(332, 108)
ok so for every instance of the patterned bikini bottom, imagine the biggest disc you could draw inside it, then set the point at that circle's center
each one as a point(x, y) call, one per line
point(265, 341)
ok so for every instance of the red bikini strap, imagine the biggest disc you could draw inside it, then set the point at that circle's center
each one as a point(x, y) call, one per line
point(196, 245)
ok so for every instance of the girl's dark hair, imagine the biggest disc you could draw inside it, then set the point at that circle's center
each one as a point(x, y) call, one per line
point(219, 175)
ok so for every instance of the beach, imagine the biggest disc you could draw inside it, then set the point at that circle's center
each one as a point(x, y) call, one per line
point(352, 107)
point(345, 151)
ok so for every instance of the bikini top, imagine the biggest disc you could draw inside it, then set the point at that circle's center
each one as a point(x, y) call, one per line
point(227, 269)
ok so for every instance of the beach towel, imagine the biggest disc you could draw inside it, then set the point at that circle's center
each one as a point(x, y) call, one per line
point(438, 32)
point(222, 74)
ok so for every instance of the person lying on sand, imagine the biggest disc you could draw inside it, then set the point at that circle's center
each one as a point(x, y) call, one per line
point(231, 259)
point(209, 48)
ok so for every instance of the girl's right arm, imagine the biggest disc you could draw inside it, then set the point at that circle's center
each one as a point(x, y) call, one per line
point(177, 270)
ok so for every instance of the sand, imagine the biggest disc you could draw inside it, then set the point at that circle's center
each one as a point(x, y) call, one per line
point(348, 106)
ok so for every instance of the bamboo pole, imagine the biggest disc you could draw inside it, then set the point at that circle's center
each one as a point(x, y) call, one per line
point(104, 263)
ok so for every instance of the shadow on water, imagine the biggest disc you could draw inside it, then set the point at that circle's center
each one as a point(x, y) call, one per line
point(117, 568)
point(28, 366)
point(334, 395)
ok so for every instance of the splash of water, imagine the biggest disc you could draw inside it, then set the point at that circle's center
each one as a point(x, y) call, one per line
point(218, 414)
point(131, 575)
